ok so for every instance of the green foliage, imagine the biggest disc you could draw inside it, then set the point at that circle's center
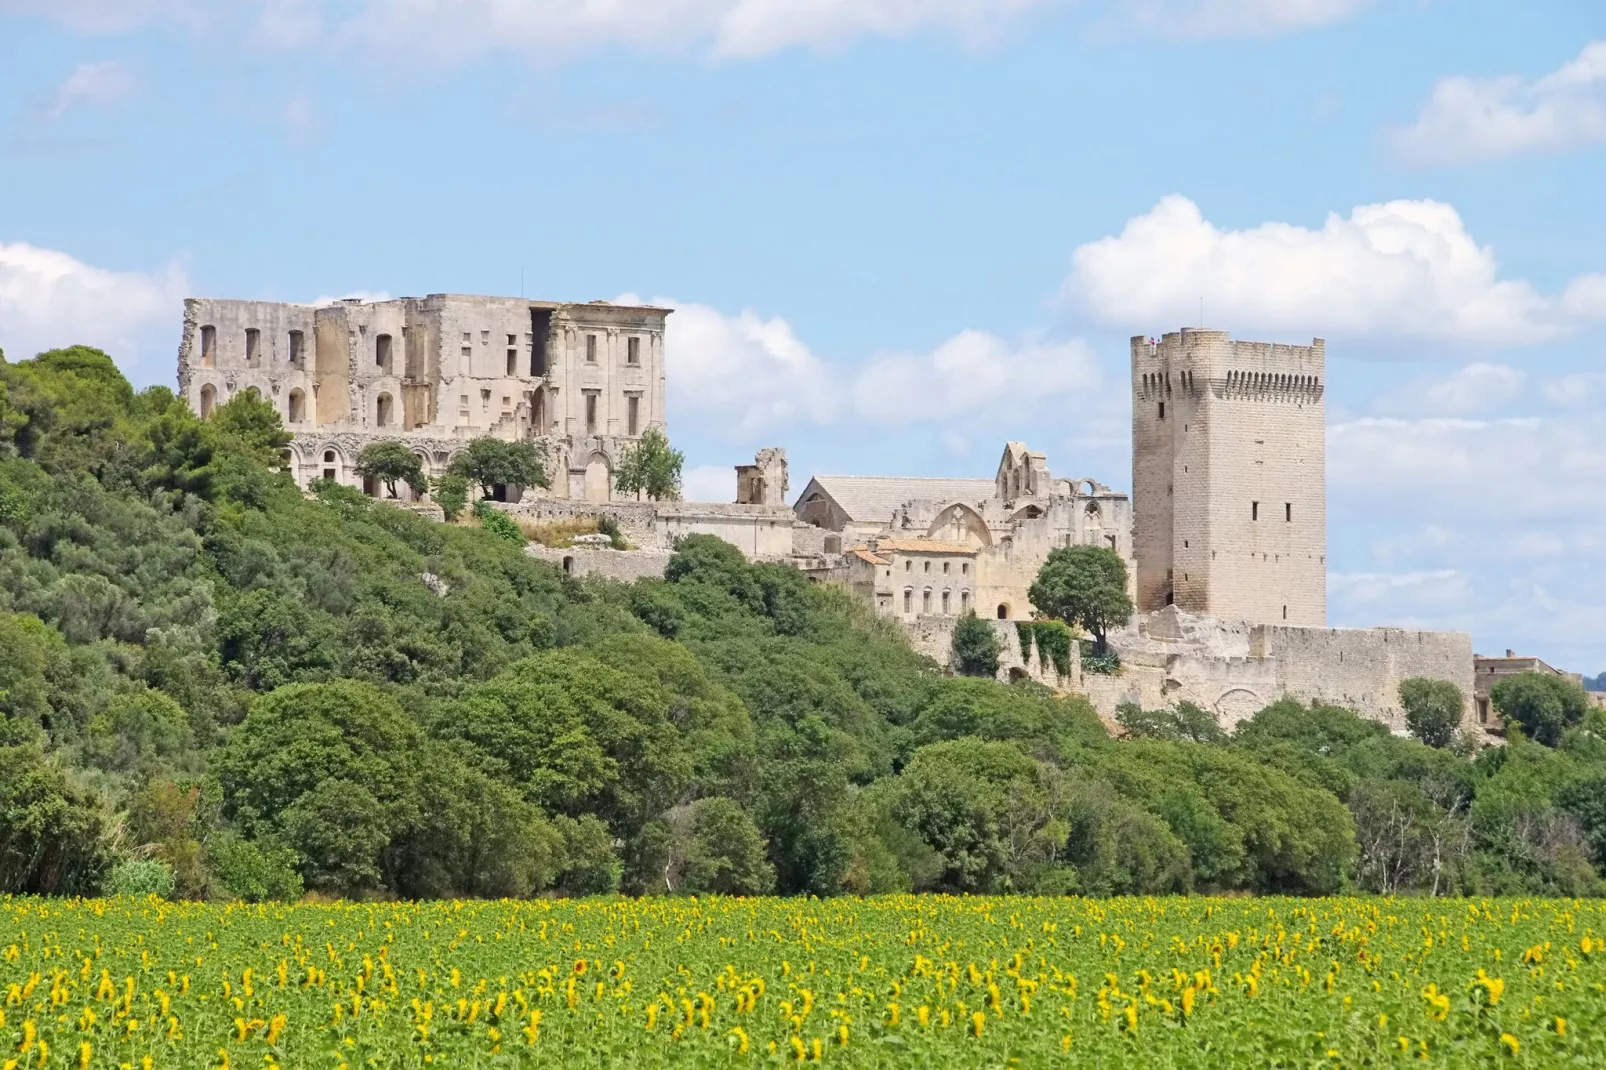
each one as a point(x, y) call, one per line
point(497, 522)
point(255, 871)
point(391, 462)
point(651, 467)
point(451, 494)
point(1184, 721)
point(1105, 663)
point(50, 833)
point(491, 463)
point(1054, 641)
point(138, 878)
point(976, 647)
point(1542, 704)
point(1084, 585)
point(1432, 710)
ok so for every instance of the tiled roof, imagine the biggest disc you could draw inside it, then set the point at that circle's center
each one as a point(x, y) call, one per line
point(865, 555)
point(923, 546)
point(873, 498)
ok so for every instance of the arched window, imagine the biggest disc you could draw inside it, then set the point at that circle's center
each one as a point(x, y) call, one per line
point(382, 413)
point(1003, 612)
point(908, 599)
point(925, 601)
point(208, 399)
point(298, 406)
point(964, 602)
point(945, 605)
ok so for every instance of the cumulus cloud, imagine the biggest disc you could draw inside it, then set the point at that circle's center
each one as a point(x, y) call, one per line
point(977, 375)
point(1220, 18)
point(1405, 268)
point(102, 84)
point(49, 299)
point(1467, 391)
point(1488, 118)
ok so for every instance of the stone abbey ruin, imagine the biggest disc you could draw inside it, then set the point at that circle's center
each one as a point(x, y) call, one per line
point(1224, 532)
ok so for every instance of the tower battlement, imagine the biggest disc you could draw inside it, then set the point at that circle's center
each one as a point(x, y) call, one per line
point(1229, 477)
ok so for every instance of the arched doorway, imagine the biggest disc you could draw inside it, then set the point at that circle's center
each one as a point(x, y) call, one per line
point(208, 400)
point(298, 406)
point(1003, 611)
point(599, 479)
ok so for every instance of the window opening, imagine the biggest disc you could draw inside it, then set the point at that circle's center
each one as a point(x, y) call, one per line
point(297, 340)
point(591, 349)
point(253, 344)
point(208, 347)
point(382, 353)
point(1288, 512)
point(633, 351)
point(1254, 510)
point(591, 412)
point(632, 413)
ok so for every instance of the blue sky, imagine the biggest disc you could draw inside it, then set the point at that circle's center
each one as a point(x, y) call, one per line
point(900, 232)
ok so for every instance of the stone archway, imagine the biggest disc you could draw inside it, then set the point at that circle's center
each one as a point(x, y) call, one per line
point(599, 479)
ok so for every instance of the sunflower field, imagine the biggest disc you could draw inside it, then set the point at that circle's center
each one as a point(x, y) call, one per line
point(895, 981)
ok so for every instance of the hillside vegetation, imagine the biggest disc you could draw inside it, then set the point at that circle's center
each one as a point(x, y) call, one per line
point(213, 685)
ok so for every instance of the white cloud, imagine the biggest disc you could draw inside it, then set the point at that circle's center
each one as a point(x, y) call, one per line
point(709, 483)
point(1405, 268)
point(1581, 388)
point(48, 300)
point(1220, 18)
point(365, 296)
point(551, 30)
point(102, 84)
point(741, 375)
point(1488, 118)
point(1467, 391)
point(977, 376)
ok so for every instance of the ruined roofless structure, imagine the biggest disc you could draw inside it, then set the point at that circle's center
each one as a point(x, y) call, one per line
point(434, 373)
point(1229, 443)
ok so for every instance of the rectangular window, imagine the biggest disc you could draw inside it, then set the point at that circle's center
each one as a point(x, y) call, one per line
point(297, 340)
point(945, 609)
point(208, 347)
point(382, 353)
point(253, 342)
point(945, 568)
point(908, 600)
point(1288, 512)
point(1285, 613)
point(591, 412)
point(591, 349)
point(485, 338)
point(633, 351)
point(485, 399)
point(468, 355)
point(928, 566)
point(507, 402)
point(908, 565)
point(1162, 410)
point(467, 338)
point(633, 410)
point(925, 601)
point(964, 569)
point(512, 339)
point(1254, 510)
point(513, 362)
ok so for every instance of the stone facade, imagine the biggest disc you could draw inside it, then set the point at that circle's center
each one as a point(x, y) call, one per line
point(1229, 477)
point(1490, 671)
point(1234, 668)
point(918, 547)
point(434, 373)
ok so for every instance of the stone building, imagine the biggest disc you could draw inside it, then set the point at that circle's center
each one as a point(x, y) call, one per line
point(921, 547)
point(435, 372)
point(1229, 477)
point(1490, 671)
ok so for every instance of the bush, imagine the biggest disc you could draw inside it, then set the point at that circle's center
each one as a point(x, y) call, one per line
point(451, 494)
point(975, 646)
point(1053, 645)
point(138, 878)
point(497, 522)
point(1432, 710)
point(255, 871)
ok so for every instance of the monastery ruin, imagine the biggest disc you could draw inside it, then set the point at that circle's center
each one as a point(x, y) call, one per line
point(1224, 534)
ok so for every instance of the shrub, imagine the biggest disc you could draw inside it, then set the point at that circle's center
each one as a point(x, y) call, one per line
point(975, 646)
point(1105, 664)
point(255, 871)
point(1054, 645)
point(497, 522)
point(1432, 710)
point(451, 494)
point(139, 877)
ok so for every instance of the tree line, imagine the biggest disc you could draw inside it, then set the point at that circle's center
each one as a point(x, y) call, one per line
point(214, 685)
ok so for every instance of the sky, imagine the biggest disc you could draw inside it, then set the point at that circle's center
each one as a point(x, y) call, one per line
point(898, 233)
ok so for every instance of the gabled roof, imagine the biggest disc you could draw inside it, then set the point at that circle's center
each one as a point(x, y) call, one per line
point(922, 546)
point(874, 498)
point(866, 555)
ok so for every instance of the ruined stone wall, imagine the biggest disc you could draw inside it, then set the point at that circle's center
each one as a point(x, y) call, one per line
point(1235, 668)
point(933, 636)
point(622, 565)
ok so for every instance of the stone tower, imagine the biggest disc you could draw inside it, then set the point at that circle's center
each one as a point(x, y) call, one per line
point(1229, 477)
point(765, 481)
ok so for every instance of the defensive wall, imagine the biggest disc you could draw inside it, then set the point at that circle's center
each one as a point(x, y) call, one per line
point(1234, 668)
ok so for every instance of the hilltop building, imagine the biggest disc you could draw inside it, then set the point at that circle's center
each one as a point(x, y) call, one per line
point(435, 372)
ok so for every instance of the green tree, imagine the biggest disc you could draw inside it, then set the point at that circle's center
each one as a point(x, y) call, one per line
point(720, 852)
point(390, 463)
point(975, 646)
point(491, 462)
point(50, 833)
point(451, 494)
point(651, 467)
point(1084, 585)
point(251, 426)
point(333, 771)
point(1184, 721)
point(1543, 705)
point(1432, 709)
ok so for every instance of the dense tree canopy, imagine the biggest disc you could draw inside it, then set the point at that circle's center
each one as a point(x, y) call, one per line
point(1084, 585)
point(651, 467)
point(214, 683)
